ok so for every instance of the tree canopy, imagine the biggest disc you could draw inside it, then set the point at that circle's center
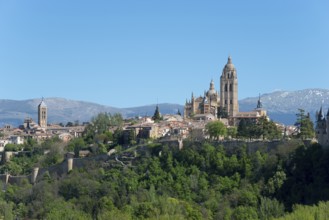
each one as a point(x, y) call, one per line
point(156, 115)
point(215, 129)
point(201, 181)
point(260, 128)
point(305, 125)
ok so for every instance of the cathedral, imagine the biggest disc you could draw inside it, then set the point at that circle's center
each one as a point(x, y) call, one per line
point(222, 104)
point(322, 128)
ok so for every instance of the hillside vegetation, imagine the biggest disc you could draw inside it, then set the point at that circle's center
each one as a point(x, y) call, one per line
point(202, 181)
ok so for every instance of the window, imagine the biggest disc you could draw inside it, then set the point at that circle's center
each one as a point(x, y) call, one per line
point(225, 101)
point(225, 87)
point(231, 87)
point(231, 101)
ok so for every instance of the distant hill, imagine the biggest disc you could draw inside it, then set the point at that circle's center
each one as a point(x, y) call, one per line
point(63, 110)
point(59, 110)
point(281, 106)
point(148, 110)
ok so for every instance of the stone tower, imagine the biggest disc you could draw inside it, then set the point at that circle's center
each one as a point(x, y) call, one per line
point(322, 128)
point(229, 89)
point(42, 114)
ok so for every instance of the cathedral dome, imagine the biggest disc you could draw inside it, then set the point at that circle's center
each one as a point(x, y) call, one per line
point(211, 90)
point(229, 65)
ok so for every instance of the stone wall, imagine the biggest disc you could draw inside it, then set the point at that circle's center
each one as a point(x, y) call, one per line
point(55, 170)
point(73, 163)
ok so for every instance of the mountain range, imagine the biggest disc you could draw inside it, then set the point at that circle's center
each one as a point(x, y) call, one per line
point(281, 106)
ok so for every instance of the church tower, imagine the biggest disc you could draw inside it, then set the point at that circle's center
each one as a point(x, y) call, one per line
point(229, 89)
point(321, 128)
point(42, 114)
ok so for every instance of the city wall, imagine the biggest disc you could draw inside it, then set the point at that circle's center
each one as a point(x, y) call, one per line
point(73, 163)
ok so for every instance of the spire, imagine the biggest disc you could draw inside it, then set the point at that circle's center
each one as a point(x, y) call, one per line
point(229, 60)
point(320, 116)
point(259, 103)
point(42, 103)
point(212, 85)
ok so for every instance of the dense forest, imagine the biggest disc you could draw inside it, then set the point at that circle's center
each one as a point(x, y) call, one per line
point(204, 180)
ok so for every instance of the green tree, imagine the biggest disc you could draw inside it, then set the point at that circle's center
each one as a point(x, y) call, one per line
point(30, 144)
point(244, 212)
point(116, 120)
point(232, 132)
point(267, 129)
point(55, 154)
point(215, 129)
point(275, 182)
point(12, 147)
point(245, 128)
point(132, 137)
point(6, 210)
point(305, 125)
point(269, 208)
point(118, 136)
point(69, 124)
point(76, 144)
point(156, 115)
point(100, 125)
point(59, 209)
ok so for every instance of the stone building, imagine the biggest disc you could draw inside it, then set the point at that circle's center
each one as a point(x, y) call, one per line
point(229, 89)
point(256, 113)
point(322, 128)
point(208, 104)
point(223, 104)
point(42, 114)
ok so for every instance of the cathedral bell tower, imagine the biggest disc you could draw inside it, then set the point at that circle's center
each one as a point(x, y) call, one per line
point(229, 89)
point(42, 114)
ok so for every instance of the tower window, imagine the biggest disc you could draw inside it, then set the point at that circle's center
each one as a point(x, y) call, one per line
point(225, 87)
point(225, 101)
point(231, 101)
point(231, 87)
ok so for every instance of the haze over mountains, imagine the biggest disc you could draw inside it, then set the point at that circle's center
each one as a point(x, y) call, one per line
point(281, 106)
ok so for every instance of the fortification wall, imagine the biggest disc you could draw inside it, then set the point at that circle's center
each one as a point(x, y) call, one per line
point(55, 170)
point(73, 163)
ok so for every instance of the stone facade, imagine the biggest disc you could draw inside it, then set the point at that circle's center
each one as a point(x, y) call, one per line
point(229, 89)
point(322, 128)
point(42, 114)
point(208, 104)
point(223, 104)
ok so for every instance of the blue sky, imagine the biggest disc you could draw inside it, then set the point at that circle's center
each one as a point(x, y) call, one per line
point(131, 53)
